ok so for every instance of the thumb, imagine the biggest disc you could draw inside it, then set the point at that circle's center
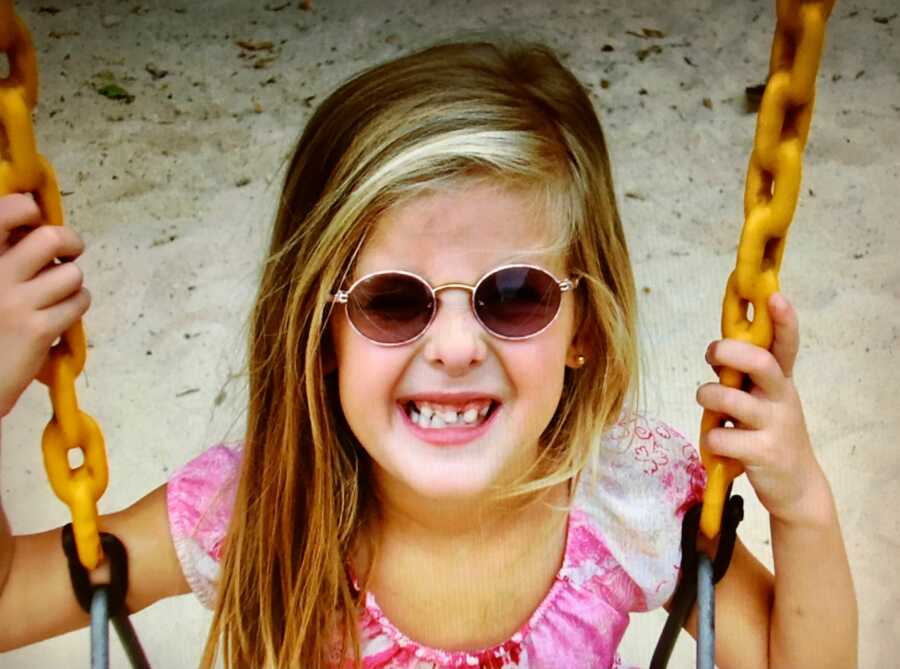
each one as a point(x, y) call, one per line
point(786, 332)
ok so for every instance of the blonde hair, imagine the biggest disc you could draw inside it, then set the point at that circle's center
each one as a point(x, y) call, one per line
point(505, 111)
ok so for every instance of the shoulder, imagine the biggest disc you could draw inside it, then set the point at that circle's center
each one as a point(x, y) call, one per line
point(199, 500)
point(643, 478)
point(652, 461)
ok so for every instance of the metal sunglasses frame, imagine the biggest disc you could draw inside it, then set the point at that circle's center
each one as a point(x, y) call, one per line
point(565, 285)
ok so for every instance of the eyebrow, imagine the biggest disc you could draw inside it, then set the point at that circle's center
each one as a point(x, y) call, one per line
point(536, 257)
point(559, 274)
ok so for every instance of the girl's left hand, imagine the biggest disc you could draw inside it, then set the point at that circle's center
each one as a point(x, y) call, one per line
point(770, 437)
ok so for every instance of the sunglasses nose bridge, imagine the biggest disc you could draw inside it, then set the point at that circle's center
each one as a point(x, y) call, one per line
point(450, 286)
point(447, 286)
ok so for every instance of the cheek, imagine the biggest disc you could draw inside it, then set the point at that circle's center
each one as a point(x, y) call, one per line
point(352, 353)
point(366, 377)
point(543, 368)
point(358, 391)
point(537, 373)
point(346, 358)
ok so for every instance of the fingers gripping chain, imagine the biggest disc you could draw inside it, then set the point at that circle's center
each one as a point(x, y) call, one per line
point(773, 184)
point(24, 170)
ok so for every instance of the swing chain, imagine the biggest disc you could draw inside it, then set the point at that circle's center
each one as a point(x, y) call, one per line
point(24, 170)
point(770, 197)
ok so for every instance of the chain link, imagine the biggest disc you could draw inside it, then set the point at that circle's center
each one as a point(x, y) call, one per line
point(773, 185)
point(24, 170)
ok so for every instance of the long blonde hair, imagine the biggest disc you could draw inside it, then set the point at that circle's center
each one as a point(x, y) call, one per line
point(501, 110)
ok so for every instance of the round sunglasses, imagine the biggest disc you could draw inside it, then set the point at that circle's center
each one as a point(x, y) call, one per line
point(392, 308)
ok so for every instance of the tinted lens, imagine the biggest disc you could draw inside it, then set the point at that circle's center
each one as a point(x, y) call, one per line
point(517, 301)
point(390, 308)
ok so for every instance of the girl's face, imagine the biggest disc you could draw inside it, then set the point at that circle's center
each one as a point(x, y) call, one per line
point(454, 237)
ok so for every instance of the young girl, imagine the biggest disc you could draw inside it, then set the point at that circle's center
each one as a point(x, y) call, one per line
point(443, 465)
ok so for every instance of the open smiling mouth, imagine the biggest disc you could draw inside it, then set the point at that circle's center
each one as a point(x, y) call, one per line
point(429, 416)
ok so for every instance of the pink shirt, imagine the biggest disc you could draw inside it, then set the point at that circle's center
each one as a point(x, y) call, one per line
point(622, 553)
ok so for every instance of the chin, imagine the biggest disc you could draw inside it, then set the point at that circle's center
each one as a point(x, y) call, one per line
point(448, 481)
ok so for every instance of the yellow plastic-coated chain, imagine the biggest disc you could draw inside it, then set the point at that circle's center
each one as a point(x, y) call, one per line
point(23, 170)
point(773, 185)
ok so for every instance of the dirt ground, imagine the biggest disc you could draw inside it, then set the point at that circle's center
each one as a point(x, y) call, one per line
point(169, 123)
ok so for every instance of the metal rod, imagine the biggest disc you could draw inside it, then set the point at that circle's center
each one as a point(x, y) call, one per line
point(99, 630)
point(706, 623)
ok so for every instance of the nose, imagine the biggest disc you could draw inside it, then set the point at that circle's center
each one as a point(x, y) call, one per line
point(455, 339)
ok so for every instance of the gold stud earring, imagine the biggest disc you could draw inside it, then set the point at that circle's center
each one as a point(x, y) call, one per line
point(580, 360)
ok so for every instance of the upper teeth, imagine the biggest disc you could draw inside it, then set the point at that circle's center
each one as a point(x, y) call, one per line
point(427, 414)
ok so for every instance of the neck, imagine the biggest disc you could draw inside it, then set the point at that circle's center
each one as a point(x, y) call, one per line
point(449, 528)
point(408, 516)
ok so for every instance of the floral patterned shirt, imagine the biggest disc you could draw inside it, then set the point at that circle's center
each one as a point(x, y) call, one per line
point(622, 553)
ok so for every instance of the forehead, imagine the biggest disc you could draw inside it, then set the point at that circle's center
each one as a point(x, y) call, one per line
point(459, 234)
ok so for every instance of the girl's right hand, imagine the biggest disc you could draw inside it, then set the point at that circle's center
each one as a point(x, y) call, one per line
point(39, 299)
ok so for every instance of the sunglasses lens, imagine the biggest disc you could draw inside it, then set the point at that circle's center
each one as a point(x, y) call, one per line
point(390, 308)
point(517, 301)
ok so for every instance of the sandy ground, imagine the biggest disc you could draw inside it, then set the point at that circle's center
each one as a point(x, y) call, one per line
point(173, 192)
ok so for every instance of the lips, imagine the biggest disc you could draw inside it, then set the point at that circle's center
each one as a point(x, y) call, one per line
point(455, 398)
point(450, 435)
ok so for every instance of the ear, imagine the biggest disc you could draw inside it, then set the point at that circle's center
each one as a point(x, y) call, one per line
point(576, 348)
point(573, 361)
point(579, 344)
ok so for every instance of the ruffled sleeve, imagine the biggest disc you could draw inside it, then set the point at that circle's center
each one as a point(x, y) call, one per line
point(646, 476)
point(200, 498)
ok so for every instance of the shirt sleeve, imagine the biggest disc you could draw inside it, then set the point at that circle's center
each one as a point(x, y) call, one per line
point(200, 498)
point(645, 477)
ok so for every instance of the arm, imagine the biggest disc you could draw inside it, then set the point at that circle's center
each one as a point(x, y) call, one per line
point(814, 618)
point(812, 621)
point(38, 602)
